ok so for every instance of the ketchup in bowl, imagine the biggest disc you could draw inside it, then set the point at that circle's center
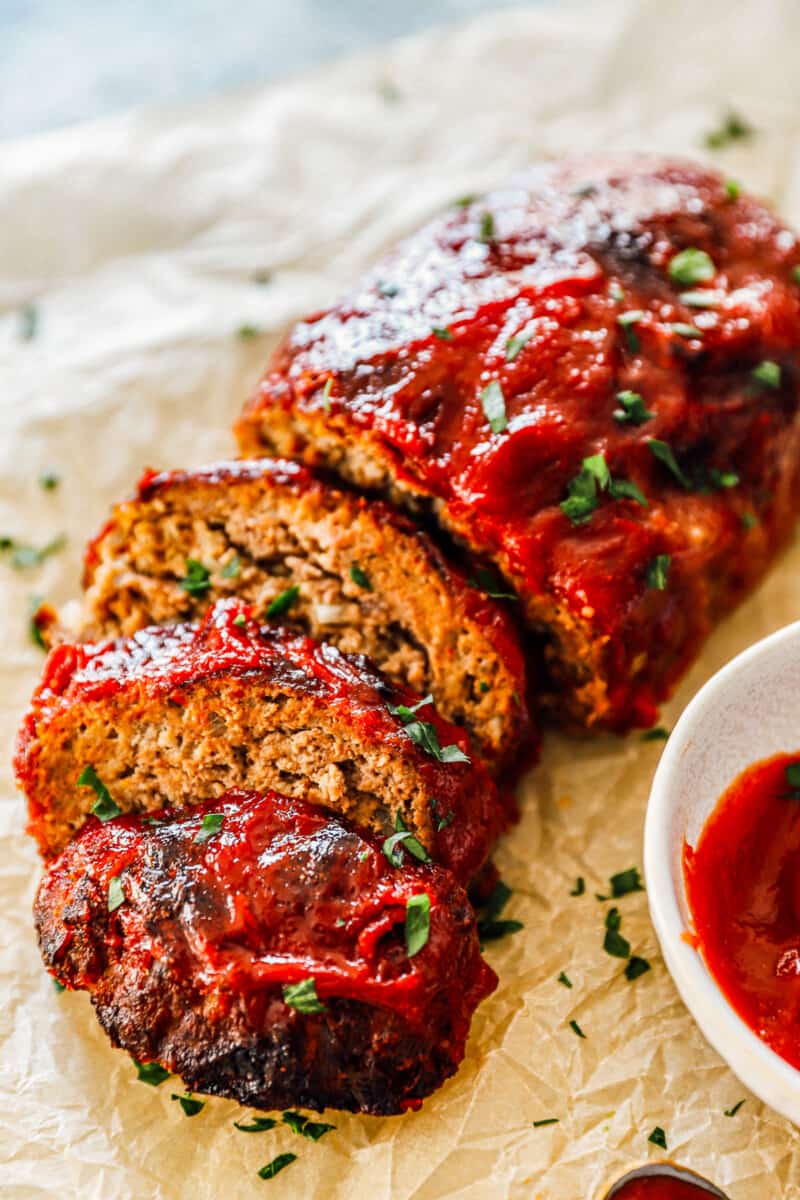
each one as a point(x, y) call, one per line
point(663, 1181)
point(743, 888)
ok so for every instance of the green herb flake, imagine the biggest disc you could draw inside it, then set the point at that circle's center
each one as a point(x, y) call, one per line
point(657, 572)
point(692, 266)
point(565, 979)
point(683, 330)
point(749, 520)
point(440, 820)
point(791, 774)
point(663, 452)
point(486, 228)
point(576, 1029)
point(624, 489)
point(240, 621)
point(628, 322)
point(116, 896)
point(490, 927)
point(483, 687)
point(580, 887)
point(232, 568)
point(733, 190)
point(626, 882)
point(657, 734)
point(58, 986)
point(197, 579)
point(424, 735)
point(722, 479)
point(262, 277)
point(283, 602)
point(418, 922)
point(104, 807)
point(326, 394)
point(303, 996)
point(614, 943)
point(246, 333)
point(731, 1112)
point(151, 1073)
point(189, 1104)
point(658, 1137)
point(313, 1130)
point(796, 273)
point(632, 410)
point(360, 578)
point(209, 827)
point(616, 293)
point(582, 490)
point(28, 322)
point(767, 373)
point(517, 343)
point(493, 403)
point(402, 839)
point(277, 1164)
point(486, 581)
point(34, 627)
point(257, 1125)
point(704, 298)
point(442, 333)
point(49, 481)
point(545, 1121)
point(636, 967)
point(732, 128)
point(24, 555)
point(465, 201)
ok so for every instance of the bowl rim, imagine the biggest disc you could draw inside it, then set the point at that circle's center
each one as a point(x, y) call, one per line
point(755, 1064)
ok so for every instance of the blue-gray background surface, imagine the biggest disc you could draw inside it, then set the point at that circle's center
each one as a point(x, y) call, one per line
point(71, 60)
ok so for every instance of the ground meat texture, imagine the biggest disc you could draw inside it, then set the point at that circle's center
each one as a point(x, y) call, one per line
point(369, 581)
point(559, 311)
point(189, 970)
point(178, 715)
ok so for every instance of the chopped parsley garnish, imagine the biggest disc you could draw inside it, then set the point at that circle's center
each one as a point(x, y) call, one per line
point(796, 273)
point(209, 827)
point(490, 927)
point(704, 298)
point(104, 807)
point(768, 373)
point(493, 403)
point(595, 477)
point(313, 1130)
point(632, 410)
point(232, 568)
point(626, 882)
point(635, 967)
point(303, 996)
point(623, 489)
point(580, 887)
point(442, 333)
point(34, 628)
point(575, 1027)
point(197, 579)
point(418, 922)
point(486, 229)
point(24, 555)
point(657, 572)
point(565, 979)
point(360, 578)
point(732, 128)
point(402, 839)
point(681, 329)
point(326, 394)
point(257, 1125)
point(49, 481)
point(240, 621)
point(483, 687)
point(663, 452)
point(486, 581)
point(424, 735)
point(731, 1112)
point(658, 1137)
point(545, 1121)
point(614, 943)
point(722, 479)
point(152, 1073)
point(465, 201)
point(657, 734)
point(732, 189)
point(277, 1164)
point(792, 776)
point(189, 1104)
point(440, 820)
point(749, 520)
point(58, 986)
point(692, 266)
point(248, 332)
point(28, 322)
point(283, 602)
point(116, 896)
point(517, 343)
point(628, 321)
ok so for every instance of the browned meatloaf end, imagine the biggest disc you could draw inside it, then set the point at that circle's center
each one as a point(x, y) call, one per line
point(591, 378)
point(345, 571)
point(267, 953)
point(174, 716)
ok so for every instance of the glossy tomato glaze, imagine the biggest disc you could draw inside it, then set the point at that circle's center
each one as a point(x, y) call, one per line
point(743, 887)
point(565, 254)
point(662, 1187)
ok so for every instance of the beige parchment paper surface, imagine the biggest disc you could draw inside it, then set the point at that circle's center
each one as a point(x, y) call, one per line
point(138, 239)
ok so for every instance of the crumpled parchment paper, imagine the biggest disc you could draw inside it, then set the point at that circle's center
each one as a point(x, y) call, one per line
point(138, 240)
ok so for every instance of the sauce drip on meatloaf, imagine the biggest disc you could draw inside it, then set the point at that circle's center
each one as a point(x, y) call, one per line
point(187, 964)
point(178, 715)
point(591, 378)
point(357, 574)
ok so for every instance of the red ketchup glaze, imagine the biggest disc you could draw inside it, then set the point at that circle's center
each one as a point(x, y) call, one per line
point(662, 1187)
point(743, 886)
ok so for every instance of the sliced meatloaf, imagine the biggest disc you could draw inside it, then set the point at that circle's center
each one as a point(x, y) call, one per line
point(175, 716)
point(355, 574)
point(591, 378)
point(267, 953)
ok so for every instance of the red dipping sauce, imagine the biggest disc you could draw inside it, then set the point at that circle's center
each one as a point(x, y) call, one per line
point(743, 887)
point(662, 1183)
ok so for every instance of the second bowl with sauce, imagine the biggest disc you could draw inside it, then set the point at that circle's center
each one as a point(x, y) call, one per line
point(746, 714)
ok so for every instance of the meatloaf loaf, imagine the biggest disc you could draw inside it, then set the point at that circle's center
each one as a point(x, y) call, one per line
point(358, 575)
point(591, 378)
point(267, 953)
point(175, 716)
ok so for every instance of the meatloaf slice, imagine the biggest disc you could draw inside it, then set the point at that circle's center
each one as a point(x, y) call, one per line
point(591, 378)
point(355, 574)
point(267, 953)
point(175, 716)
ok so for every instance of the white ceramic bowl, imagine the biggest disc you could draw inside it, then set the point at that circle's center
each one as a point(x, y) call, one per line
point(746, 712)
